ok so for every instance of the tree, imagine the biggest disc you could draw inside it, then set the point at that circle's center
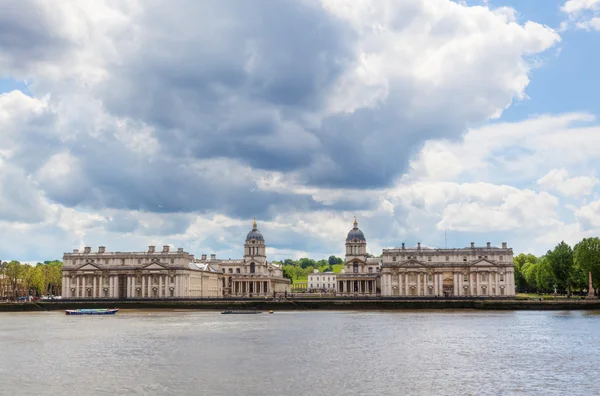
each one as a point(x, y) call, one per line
point(13, 271)
point(288, 273)
point(587, 259)
point(306, 262)
point(561, 262)
point(521, 262)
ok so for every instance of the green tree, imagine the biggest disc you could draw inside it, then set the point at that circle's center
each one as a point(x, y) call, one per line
point(587, 259)
point(13, 271)
point(521, 261)
point(544, 277)
point(561, 262)
point(306, 262)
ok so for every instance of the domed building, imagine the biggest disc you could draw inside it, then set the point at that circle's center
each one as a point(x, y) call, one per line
point(253, 275)
point(360, 275)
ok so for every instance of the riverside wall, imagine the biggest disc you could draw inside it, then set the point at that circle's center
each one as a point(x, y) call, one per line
point(299, 304)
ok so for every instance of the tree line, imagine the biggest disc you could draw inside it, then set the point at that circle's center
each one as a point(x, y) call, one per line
point(564, 268)
point(299, 269)
point(20, 279)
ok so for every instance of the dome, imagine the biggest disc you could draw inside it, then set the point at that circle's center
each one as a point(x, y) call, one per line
point(255, 234)
point(355, 233)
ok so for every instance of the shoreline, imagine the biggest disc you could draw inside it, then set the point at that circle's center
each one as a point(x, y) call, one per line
point(299, 304)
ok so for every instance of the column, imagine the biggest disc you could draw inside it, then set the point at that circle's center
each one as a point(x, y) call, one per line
point(83, 289)
point(418, 283)
point(400, 284)
point(160, 286)
point(116, 286)
point(66, 287)
point(435, 284)
point(94, 287)
point(406, 283)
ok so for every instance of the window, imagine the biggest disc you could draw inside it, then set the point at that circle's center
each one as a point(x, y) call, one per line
point(447, 258)
point(500, 258)
point(428, 258)
point(501, 276)
point(317, 278)
point(139, 261)
point(231, 270)
point(252, 268)
point(394, 258)
point(311, 285)
point(105, 261)
point(465, 277)
point(370, 270)
point(479, 257)
point(464, 258)
point(122, 261)
point(355, 267)
point(237, 270)
point(223, 270)
point(484, 277)
point(484, 256)
point(172, 261)
point(429, 278)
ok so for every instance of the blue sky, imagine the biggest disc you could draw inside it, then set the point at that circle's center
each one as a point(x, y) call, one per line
point(180, 123)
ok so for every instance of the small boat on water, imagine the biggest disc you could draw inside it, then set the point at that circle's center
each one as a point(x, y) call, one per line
point(103, 311)
point(240, 312)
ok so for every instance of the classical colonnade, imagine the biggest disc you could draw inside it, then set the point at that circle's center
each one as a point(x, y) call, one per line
point(360, 286)
point(125, 286)
point(415, 283)
point(247, 287)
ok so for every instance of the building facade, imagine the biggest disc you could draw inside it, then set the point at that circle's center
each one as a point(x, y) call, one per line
point(360, 275)
point(473, 271)
point(150, 274)
point(322, 282)
point(252, 275)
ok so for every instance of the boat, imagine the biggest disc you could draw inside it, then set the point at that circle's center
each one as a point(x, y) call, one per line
point(271, 311)
point(240, 312)
point(103, 311)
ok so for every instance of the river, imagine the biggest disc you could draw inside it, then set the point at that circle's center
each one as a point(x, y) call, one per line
point(300, 353)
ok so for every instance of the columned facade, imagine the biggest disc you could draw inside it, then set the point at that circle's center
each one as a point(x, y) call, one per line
point(475, 271)
point(361, 273)
point(251, 276)
point(150, 274)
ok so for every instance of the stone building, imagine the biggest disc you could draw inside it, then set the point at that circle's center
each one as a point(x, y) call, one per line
point(322, 281)
point(360, 275)
point(150, 274)
point(472, 271)
point(252, 275)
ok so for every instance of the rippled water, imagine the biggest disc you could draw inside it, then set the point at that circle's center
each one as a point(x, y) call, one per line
point(300, 353)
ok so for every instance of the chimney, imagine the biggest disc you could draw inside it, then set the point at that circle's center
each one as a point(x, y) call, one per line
point(402, 245)
point(75, 250)
point(204, 257)
point(472, 245)
point(165, 249)
point(488, 244)
point(101, 249)
point(150, 249)
point(213, 256)
point(504, 245)
point(87, 249)
point(418, 245)
point(179, 250)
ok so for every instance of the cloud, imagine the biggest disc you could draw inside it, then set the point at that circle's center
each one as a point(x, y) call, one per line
point(559, 180)
point(584, 14)
point(176, 122)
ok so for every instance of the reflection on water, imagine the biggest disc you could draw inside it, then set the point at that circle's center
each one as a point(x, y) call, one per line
point(300, 353)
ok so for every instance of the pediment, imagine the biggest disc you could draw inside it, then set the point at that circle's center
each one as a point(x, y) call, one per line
point(88, 267)
point(154, 266)
point(413, 264)
point(483, 263)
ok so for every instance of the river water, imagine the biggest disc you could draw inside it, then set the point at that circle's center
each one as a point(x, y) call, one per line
point(300, 353)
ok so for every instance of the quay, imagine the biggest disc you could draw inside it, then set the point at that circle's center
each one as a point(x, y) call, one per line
point(312, 303)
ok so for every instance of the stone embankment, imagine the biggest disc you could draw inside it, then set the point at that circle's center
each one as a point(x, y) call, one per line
point(311, 304)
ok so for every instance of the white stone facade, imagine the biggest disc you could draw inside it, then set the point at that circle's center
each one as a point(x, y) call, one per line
point(473, 271)
point(360, 276)
point(150, 274)
point(322, 281)
point(253, 275)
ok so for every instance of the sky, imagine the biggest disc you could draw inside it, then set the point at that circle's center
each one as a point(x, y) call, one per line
point(131, 123)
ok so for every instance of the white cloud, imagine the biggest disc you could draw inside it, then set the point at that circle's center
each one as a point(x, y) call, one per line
point(559, 180)
point(583, 13)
